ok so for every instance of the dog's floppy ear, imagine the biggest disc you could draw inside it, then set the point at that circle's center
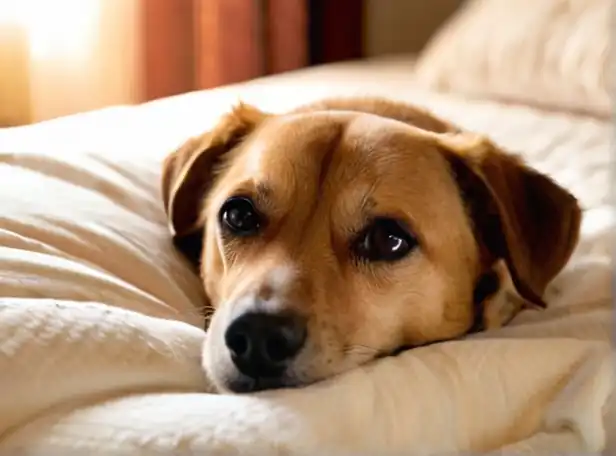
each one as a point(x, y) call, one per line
point(520, 214)
point(188, 173)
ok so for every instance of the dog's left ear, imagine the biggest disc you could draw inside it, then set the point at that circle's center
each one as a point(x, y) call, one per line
point(189, 172)
point(520, 214)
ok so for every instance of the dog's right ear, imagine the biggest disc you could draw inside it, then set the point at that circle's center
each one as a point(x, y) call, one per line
point(189, 171)
point(521, 215)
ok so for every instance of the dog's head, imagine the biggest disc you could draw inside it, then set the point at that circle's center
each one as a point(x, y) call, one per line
point(329, 237)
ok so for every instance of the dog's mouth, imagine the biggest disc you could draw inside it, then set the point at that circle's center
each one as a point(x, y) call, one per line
point(396, 351)
point(476, 327)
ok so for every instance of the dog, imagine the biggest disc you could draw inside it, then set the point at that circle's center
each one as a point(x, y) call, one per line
point(349, 229)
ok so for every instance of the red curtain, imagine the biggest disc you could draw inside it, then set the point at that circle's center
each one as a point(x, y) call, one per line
point(199, 44)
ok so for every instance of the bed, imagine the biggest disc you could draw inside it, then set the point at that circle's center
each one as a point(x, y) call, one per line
point(87, 267)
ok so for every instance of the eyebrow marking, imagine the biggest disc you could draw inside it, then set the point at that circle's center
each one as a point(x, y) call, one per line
point(263, 190)
point(262, 194)
point(367, 204)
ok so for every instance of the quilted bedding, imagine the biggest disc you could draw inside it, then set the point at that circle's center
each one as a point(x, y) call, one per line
point(100, 333)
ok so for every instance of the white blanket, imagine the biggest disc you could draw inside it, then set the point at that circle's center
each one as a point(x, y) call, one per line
point(90, 380)
point(100, 333)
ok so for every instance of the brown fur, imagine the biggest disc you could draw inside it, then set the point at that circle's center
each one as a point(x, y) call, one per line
point(318, 174)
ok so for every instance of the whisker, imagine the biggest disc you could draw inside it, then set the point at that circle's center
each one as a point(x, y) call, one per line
point(360, 350)
point(204, 311)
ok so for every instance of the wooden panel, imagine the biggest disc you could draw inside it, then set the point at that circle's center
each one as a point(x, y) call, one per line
point(287, 35)
point(228, 45)
point(168, 62)
point(336, 30)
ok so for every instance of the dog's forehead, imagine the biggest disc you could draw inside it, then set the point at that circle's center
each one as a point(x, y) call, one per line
point(318, 139)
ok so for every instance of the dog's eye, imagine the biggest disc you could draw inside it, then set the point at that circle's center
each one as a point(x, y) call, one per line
point(239, 216)
point(384, 240)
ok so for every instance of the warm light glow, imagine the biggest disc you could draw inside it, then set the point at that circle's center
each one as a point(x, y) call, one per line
point(81, 54)
point(56, 29)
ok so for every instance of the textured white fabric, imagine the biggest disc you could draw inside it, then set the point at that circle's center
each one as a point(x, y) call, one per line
point(93, 361)
point(129, 385)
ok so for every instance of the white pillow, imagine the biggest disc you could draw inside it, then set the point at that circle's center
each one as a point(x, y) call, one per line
point(551, 53)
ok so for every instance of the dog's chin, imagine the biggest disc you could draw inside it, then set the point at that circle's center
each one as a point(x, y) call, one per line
point(241, 384)
point(234, 382)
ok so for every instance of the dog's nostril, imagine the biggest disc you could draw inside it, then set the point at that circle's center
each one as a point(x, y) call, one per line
point(276, 348)
point(238, 343)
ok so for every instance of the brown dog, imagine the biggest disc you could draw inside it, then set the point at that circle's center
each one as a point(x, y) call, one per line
point(347, 229)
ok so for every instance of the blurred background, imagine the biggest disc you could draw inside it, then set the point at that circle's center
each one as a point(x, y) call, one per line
point(60, 57)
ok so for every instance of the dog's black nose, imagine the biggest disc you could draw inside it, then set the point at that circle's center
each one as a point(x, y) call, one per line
point(262, 344)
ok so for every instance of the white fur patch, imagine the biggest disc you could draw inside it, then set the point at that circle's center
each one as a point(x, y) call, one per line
point(272, 291)
point(280, 278)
